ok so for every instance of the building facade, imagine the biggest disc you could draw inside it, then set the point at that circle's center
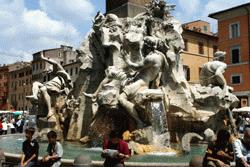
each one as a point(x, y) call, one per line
point(73, 69)
point(200, 46)
point(234, 38)
point(41, 70)
point(4, 79)
point(20, 86)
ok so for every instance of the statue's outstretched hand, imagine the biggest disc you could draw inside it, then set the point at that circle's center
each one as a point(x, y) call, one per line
point(92, 96)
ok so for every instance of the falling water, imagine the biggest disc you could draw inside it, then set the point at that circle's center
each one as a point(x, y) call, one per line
point(161, 136)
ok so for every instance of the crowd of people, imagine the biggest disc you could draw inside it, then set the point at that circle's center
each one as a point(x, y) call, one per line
point(11, 125)
point(115, 151)
point(227, 149)
point(221, 152)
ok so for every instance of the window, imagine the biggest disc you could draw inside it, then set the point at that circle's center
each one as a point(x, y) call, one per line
point(21, 74)
point(235, 55)
point(185, 45)
point(186, 72)
point(236, 79)
point(41, 65)
point(234, 30)
point(33, 67)
point(205, 28)
point(201, 48)
point(71, 72)
point(215, 49)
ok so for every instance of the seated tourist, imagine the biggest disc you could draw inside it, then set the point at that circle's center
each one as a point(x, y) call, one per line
point(30, 149)
point(55, 152)
point(242, 149)
point(219, 152)
point(115, 151)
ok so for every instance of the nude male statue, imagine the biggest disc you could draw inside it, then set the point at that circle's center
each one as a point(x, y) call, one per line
point(212, 72)
point(61, 83)
point(148, 70)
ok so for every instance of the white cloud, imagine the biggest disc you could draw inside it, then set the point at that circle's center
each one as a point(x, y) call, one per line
point(190, 7)
point(75, 11)
point(190, 10)
point(24, 32)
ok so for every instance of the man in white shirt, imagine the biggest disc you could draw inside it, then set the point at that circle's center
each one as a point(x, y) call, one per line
point(12, 127)
point(54, 150)
point(242, 149)
point(5, 127)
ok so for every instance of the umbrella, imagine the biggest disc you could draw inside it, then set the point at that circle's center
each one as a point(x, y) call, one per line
point(243, 109)
point(17, 113)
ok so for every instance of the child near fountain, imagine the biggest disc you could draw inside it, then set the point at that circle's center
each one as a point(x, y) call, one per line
point(115, 150)
point(30, 149)
point(55, 152)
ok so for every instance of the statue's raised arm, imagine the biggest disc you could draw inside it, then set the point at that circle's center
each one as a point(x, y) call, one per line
point(55, 64)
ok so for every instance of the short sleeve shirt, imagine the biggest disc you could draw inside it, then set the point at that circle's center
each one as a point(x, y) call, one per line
point(122, 147)
point(29, 149)
point(55, 149)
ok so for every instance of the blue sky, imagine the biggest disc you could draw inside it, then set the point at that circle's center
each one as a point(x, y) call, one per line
point(28, 26)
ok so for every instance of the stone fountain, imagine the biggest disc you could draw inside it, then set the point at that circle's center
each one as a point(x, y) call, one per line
point(132, 80)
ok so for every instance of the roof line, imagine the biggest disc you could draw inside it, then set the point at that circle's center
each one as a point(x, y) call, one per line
point(212, 15)
point(200, 33)
point(195, 21)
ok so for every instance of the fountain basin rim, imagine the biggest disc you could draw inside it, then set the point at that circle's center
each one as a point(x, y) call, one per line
point(71, 161)
point(97, 163)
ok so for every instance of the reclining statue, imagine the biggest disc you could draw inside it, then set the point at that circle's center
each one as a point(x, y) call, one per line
point(60, 84)
point(212, 73)
point(148, 70)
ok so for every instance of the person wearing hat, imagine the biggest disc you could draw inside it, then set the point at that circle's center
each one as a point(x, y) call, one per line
point(212, 72)
point(61, 83)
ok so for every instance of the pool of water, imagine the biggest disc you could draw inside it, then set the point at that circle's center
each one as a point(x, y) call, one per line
point(13, 144)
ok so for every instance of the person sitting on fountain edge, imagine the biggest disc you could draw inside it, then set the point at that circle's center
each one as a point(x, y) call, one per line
point(219, 152)
point(242, 149)
point(55, 152)
point(30, 149)
point(115, 150)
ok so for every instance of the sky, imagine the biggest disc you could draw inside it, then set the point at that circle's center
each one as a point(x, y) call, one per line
point(29, 26)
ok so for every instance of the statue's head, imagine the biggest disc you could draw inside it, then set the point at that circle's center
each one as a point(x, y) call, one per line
point(111, 31)
point(150, 43)
point(219, 56)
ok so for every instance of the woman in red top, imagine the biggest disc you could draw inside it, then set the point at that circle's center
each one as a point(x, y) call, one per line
point(115, 150)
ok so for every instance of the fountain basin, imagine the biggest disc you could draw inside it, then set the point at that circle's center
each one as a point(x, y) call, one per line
point(12, 146)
